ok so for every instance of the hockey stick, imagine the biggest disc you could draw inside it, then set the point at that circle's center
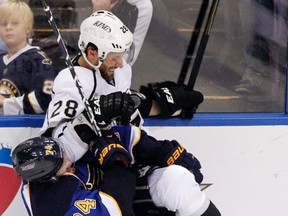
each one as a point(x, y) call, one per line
point(200, 53)
point(69, 63)
point(193, 41)
point(286, 90)
point(203, 44)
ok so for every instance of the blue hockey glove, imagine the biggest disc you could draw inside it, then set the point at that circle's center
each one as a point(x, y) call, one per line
point(108, 150)
point(173, 153)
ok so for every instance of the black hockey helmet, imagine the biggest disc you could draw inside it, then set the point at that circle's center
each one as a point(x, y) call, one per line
point(37, 159)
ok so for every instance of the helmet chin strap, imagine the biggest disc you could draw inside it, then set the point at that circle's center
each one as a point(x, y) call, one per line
point(95, 67)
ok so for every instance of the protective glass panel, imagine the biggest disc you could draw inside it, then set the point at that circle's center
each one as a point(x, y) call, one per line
point(243, 63)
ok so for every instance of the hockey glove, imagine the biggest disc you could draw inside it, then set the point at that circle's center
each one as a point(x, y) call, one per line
point(173, 153)
point(108, 150)
point(115, 105)
point(172, 97)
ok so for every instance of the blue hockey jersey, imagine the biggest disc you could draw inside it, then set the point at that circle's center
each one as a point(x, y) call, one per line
point(72, 194)
point(26, 79)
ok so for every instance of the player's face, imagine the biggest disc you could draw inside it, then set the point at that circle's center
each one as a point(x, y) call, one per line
point(66, 167)
point(110, 63)
point(14, 33)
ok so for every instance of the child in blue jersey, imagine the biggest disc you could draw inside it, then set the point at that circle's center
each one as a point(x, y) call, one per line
point(26, 73)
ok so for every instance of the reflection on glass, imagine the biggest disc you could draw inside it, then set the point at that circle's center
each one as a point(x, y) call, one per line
point(244, 66)
point(243, 69)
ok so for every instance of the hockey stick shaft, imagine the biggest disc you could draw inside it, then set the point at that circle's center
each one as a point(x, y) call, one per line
point(203, 44)
point(201, 51)
point(286, 90)
point(193, 42)
point(69, 63)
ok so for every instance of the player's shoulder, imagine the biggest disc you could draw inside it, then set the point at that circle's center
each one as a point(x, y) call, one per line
point(126, 69)
point(32, 51)
point(66, 73)
point(64, 77)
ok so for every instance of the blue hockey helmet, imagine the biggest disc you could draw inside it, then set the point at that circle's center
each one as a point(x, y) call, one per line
point(37, 159)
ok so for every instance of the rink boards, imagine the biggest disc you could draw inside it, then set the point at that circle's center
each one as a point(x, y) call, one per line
point(243, 159)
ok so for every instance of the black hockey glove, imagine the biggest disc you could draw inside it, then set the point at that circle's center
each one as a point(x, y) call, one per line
point(108, 150)
point(172, 97)
point(115, 105)
point(173, 153)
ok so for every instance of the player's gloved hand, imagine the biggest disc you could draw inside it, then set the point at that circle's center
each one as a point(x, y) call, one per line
point(115, 105)
point(108, 150)
point(193, 164)
point(173, 153)
point(171, 97)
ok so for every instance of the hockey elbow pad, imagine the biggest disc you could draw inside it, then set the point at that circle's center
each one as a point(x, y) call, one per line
point(108, 150)
point(83, 128)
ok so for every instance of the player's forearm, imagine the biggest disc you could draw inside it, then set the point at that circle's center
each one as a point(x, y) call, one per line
point(155, 109)
point(120, 183)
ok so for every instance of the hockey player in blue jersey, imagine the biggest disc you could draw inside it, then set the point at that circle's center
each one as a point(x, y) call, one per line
point(53, 186)
point(26, 73)
point(121, 148)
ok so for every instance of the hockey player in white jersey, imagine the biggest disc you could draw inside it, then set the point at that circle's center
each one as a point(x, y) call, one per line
point(105, 78)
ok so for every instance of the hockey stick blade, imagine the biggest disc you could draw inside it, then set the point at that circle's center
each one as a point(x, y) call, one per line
point(68, 61)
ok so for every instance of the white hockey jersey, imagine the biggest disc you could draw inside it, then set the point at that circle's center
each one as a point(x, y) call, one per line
point(66, 102)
